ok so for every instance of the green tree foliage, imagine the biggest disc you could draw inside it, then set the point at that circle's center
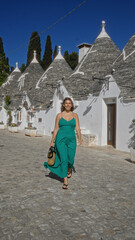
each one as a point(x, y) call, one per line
point(34, 44)
point(55, 52)
point(47, 57)
point(67, 57)
point(23, 67)
point(71, 59)
point(9, 117)
point(11, 69)
point(4, 66)
point(7, 100)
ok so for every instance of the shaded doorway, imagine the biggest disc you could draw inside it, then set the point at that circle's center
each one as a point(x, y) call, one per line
point(111, 124)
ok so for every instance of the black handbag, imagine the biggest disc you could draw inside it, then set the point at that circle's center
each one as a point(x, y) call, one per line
point(51, 156)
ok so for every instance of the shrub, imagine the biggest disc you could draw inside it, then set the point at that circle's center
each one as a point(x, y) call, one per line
point(7, 100)
point(32, 128)
point(10, 117)
point(13, 125)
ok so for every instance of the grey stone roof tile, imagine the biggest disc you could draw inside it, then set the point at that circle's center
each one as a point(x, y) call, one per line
point(10, 87)
point(97, 63)
point(47, 84)
point(125, 71)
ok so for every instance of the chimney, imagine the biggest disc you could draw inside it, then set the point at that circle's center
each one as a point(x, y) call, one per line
point(83, 49)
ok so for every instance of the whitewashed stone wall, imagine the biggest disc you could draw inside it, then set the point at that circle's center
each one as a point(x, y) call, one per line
point(24, 122)
point(3, 116)
point(93, 115)
point(125, 115)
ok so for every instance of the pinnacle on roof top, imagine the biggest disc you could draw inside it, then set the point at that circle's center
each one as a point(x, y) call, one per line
point(16, 69)
point(34, 58)
point(103, 33)
point(59, 55)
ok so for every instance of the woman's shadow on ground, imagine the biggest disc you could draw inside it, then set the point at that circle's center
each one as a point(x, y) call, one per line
point(54, 176)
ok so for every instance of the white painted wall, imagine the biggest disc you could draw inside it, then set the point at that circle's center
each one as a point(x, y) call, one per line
point(125, 115)
point(93, 115)
point(3, 116)
point(24, 122)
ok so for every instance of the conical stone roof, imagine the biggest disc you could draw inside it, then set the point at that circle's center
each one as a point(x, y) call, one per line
point(95, 65)
point(124, 74)
point(28, 80)
point(47, 84)
point(10, 87)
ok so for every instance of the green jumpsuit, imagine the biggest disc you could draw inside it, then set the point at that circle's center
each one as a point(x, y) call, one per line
point(65, 148)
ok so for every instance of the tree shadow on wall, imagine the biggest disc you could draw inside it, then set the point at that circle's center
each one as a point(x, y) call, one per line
point(131, 143)
point(89, 107)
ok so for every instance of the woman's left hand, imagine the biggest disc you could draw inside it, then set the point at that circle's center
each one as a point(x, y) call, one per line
point(79, 142)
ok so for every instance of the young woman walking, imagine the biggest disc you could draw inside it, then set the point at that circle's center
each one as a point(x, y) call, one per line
point(65, 141)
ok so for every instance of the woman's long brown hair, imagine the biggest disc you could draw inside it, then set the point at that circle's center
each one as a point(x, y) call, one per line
point(62, 107)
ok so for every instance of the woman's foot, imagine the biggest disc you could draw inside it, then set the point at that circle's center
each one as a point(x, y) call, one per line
point(69, 173)
point(65, 186)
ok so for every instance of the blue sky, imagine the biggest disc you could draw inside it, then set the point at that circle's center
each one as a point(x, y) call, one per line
point(20, 18)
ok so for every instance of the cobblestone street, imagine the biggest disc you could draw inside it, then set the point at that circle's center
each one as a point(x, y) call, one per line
point(99, 205)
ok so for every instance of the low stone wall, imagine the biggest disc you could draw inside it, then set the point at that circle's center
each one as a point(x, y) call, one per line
point(13, 129)
point(132, 154)
point(88, 140)
point(2, 126)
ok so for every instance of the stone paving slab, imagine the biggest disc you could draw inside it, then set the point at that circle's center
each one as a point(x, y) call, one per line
point(99, 205)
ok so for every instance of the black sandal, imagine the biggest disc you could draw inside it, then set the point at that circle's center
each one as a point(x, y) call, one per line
point(66, 186)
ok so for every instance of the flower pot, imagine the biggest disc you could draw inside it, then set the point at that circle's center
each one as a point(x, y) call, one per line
point(132, 154)
point(31, 132)
point(13, 129)
point(2, 126)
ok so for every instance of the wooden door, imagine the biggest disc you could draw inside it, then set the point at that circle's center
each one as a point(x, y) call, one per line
point(111, 124)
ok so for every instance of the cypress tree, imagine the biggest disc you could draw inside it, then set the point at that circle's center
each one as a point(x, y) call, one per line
point(22, 68)
point(67, 57)
point(55, 52)
point(71, 59)
point(34, 44)
point(11, 69)
point(4, 67)
point(47, 57)
point(1, 48)
point(7, 65)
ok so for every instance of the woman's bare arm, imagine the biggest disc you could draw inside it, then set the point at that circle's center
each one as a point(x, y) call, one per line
point(78, 129)
point(56, 128)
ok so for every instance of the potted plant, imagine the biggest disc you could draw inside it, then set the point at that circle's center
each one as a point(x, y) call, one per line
point(13, 127)
point(30, 131)
point(132, 141)
point(2, 125)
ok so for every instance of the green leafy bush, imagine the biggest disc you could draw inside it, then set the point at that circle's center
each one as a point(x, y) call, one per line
point(7, 100)
point(9, 118)
point(13, 125)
